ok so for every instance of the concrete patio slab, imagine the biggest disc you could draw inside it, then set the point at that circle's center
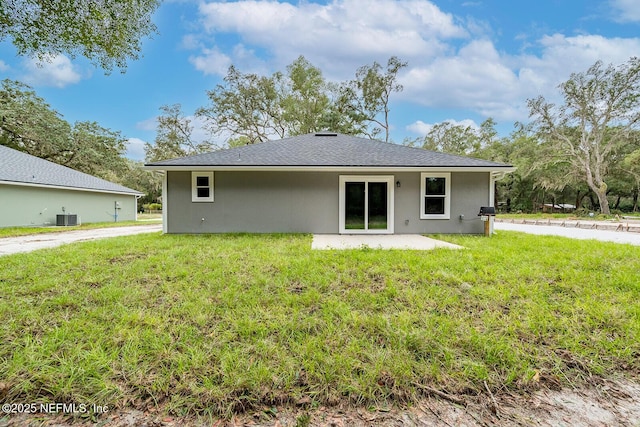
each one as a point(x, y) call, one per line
point(378, 241)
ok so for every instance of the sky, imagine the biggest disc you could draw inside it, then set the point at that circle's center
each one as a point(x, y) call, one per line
point(467, 60)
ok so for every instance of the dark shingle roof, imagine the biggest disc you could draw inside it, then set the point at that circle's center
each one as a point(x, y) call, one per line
point(327, 150)
point(22, 168)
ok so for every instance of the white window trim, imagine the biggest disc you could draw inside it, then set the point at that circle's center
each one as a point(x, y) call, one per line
point(447, 194)
point(194, 187)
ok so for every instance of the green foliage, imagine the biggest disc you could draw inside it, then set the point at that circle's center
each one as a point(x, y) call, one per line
point(106, 32)
point(174, 136)
point(600, 112)
point(29, 124)
point(246, 106)
point(152, 206)
point(148, 182)
point(216, 324)
point(375, 88)
point(450, 138)
point(252, 108)
point(97, 150)
point(305, 101)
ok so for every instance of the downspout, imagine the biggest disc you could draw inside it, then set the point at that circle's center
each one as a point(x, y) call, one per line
point(137, 196)
point(165, 203)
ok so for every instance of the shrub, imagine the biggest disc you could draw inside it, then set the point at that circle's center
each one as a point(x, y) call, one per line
point(152, 206)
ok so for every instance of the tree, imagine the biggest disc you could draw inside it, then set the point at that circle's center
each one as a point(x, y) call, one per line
point(248, 108)
point(631, 164)
point(246, 105)
point(148, 182)
point(97, 151)
point(601, 107)
point(375, 88)
point(107, 32)
point(450, 138)
point(174, 136)
point(305, 102)
point(28, 124)
point(343, 115)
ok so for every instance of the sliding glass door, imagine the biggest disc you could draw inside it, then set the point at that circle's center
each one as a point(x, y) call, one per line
point(366, 204)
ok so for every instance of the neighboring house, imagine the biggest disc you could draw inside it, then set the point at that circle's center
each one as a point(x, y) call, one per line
point(34, 191)
point(326, 183)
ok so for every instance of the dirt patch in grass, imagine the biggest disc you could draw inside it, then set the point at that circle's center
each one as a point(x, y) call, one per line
point(127, 258)
point(603, 402)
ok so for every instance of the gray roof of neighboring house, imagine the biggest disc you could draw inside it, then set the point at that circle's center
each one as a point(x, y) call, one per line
point(22, 168)
point(325, 149)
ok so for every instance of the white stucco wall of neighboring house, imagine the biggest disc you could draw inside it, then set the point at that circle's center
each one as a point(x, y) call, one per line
point(22, 205)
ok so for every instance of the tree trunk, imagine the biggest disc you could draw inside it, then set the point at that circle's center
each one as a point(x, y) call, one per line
point(635, 198)
point(603, 202)
point(617, 204)
point(579, 200)
point(594, 205)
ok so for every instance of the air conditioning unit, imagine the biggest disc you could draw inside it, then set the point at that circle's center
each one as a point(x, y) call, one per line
point(65, 220)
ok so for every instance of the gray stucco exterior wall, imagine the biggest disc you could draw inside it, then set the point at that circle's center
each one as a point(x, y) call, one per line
point(38, 206)
point(308, 202)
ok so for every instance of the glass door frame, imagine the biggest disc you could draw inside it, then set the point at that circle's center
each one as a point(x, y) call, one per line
point(389, 179)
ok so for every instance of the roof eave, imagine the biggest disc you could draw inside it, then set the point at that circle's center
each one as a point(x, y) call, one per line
point(63, 187)
point(266, 168)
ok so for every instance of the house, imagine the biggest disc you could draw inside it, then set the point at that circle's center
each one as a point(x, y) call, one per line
point(326, 183)
point(37, 192)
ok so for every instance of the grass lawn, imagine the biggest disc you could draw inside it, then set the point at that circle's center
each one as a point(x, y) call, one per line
point(143, 219)
point(217, 324)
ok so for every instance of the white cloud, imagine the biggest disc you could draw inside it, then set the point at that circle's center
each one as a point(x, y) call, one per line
point(476, 77)
point(338, 37)
point(4, 66)
point(148, 124)
point(453, 63)
point(626, 10)
point(190, 42)
point(496, 85)
point(199, 133)
point(135, 149)
point(55, 71)
point(570, 54)
point(421, 128)
point(212, 61)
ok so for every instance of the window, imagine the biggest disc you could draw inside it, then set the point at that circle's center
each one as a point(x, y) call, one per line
point(435, 193)
point(202, 186)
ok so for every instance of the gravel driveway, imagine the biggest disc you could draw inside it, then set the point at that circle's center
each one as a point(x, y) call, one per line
point(574, 233)
point(14, 245)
